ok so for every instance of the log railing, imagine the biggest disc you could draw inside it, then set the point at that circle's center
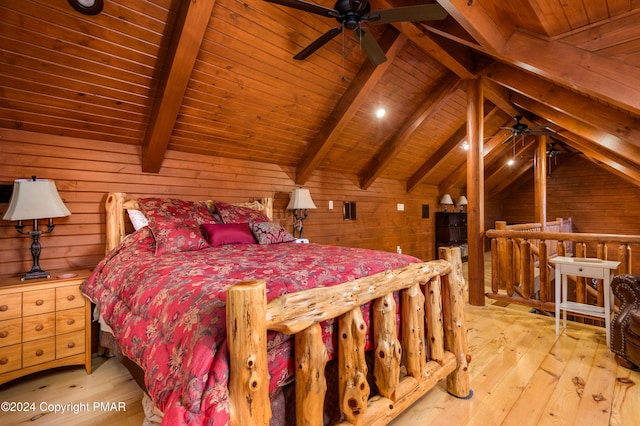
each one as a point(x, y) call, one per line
point(432, 346)
point(520, 268)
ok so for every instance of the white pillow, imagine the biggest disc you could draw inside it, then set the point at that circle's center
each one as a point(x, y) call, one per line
point(138, 219)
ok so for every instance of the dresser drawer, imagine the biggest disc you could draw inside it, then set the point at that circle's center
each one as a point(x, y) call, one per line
point(70, 320)
point(11, 306)
point(38, 351)
point(38, 326)
point(38, 301)
point(10, 331)
point(69, 297)
point(10, 358)
point(70, 344)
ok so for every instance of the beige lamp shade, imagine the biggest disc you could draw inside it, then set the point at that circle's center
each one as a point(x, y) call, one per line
point(35, 199)
point(446, 199)
point(300, 200)
point(462, 201)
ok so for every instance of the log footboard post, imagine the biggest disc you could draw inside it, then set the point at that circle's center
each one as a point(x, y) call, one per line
point(388, 351)
point(454, 323)
point(311, 384)
point(352, 366)
point(247, 340)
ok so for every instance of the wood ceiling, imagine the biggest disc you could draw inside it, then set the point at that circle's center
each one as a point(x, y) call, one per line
point(216, 77)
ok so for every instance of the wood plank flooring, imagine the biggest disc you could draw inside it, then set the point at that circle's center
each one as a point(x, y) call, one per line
point(521, 374)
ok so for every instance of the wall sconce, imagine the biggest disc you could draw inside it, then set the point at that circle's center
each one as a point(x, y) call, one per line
point(300, 201)
point(446, 200)
point(462, 201)
point(32, 200)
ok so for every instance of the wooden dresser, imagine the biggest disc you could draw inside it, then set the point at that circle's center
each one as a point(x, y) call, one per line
point(44, 323)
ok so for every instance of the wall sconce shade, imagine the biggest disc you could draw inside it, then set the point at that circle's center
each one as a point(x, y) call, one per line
point(32, 200)
point(462, 201)
point(300, 201)
point(446, 200)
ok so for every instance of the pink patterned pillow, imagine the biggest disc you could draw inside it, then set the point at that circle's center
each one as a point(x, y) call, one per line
point(270, 233)
point(238, 214)
point(176, 223)
point(220, 234)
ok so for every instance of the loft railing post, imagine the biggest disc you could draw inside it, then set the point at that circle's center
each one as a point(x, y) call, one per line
point(545, 290)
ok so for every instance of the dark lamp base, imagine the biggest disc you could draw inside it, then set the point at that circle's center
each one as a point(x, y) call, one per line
point(35, 273)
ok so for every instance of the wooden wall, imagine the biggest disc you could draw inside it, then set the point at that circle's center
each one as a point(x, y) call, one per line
point(598, 201)
point(85, 170)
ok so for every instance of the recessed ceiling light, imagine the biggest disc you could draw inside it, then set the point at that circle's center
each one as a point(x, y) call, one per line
point(465, 146)
point(381, 112)
point(510, 162)
point(87, 7)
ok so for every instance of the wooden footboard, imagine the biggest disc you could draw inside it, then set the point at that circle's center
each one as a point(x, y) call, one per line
point(432, 346)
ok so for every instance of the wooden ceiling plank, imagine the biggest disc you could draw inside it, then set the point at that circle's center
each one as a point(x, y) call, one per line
point(365, 81)
point(570, 103)
point(402, 137)
point(190, 27)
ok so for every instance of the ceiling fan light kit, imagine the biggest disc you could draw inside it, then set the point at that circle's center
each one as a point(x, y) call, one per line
point(351, 13)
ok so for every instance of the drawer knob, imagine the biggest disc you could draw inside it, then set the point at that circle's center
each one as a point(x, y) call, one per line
point(71, 345)
point(4, 360)
point(4, 308)
point(3, 334)
point(39, 352)
point(39, 327)
point(39, 302)
point(70, 321)
point(580, 269)
point(71, 297)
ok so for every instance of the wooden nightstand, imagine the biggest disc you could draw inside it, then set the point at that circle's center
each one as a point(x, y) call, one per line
point(44, 323)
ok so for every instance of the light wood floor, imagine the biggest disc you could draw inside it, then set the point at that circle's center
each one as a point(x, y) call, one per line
point(521, 374)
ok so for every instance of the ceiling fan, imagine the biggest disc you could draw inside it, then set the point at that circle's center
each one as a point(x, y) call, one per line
point(521, 129)
point(351, 13)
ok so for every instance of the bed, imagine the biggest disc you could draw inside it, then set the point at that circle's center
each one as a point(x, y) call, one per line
point(221, 328)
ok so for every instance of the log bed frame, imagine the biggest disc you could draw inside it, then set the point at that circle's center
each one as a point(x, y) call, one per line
point(432, 346)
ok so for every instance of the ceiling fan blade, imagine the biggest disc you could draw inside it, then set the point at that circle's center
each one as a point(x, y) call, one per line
point(424, 12)
point(359, 5)
point(370, 46)
point(541, 133)
point(307, 7)
point(318, 43)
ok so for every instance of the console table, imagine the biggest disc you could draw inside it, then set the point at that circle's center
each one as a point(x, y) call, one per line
point(589, 268)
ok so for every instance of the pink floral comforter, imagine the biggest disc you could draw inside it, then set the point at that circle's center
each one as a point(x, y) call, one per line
point(168, 312)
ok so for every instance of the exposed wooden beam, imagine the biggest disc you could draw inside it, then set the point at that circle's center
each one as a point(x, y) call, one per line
point(605, 78)
point(596, 75)
point(191, 24)
point(364, 82)
point(618, 165)
point(453, 141)
point(475, 191)
point(587, 131)
point(570, 103)
point(458, 178)
point(540, 182)
point(475, 19)
point(459, 61)
point(431, 105)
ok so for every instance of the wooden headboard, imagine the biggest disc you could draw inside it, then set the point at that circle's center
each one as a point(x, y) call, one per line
point(117, 205)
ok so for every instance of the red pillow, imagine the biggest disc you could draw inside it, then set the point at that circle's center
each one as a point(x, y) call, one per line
point(228, 233)
point(239, 214)
point(176, 223)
